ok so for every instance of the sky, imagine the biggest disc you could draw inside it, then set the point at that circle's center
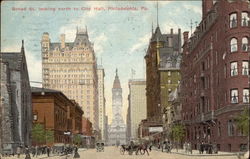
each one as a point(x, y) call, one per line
point(120, 37)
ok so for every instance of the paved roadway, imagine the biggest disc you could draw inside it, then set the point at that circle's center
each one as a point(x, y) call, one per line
point(114, 153)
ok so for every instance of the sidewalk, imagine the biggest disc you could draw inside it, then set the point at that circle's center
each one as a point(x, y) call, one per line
point(54, 156)
point(38, 157)
point(196, 153)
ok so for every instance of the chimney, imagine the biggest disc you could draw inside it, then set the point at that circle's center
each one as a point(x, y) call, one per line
point(206, 6)
point(62, 38)
point(185, 36)
point(170, 39)
point(179, 40)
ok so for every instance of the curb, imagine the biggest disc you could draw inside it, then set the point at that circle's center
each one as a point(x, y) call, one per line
point(184, 154)
point(204, 154)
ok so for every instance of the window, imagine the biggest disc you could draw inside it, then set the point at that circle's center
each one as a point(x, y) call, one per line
point(35, 117)
point(244, 44)
point(233, 45)
point(244, 19)
point(230, 128)
point(245, 68)
point(246, 95)
point(169, 81)
point(219, 129)
point(234, 70)
point(233, 20)
point(234, 95)
point(169, 90)
point(169, 73)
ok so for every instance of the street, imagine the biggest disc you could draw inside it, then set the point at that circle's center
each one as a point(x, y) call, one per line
point(114, 153)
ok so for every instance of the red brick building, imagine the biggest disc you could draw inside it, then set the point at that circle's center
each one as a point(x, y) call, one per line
point(75, 113)
point(57, 113)
point(215, 73)
point(86, 127)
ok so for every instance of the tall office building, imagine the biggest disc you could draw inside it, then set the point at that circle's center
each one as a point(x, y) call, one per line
point(137, 110)
point(71, 68)
point(101, 100)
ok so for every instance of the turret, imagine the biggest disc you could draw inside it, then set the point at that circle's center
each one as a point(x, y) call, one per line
point(62, 39)
point(45, 41)
point(170, 39)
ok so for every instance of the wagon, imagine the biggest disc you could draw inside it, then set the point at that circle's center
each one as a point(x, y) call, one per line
point(99, 146)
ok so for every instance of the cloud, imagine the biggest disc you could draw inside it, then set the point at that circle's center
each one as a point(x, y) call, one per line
point(70, 29)
point(195, 9)
point(160, 3)
point(99, 41)
point(142, 42)
point(34, 64)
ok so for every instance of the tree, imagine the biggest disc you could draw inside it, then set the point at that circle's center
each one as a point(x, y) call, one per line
point(38, 133)
point(242, 121)
point(49, 135)
point(77, 139)
point(178, 133)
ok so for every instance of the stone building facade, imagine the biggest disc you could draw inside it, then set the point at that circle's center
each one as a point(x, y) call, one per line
point(16, 106)
point(57, 113)
point(215, 75)
point(137, 109)
point(101, 101)
point(71, 68)
point(162, 75)
point(117, 129)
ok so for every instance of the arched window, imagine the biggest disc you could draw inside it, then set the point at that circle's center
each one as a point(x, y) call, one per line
point(231, 128)
point(233, 45)
point(244, 44)
point(244, 19)
point(233, 20)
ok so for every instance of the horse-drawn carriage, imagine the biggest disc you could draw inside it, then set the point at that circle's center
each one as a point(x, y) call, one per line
point(99, 146)
point(133, 148)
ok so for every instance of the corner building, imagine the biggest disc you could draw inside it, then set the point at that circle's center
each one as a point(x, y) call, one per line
point(71, 68)
point(215, 74)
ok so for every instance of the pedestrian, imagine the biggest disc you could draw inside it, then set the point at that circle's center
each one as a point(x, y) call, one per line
point(185, 147)
point(202, 147)
point(18, 151)
point(48, 150)
point(145, 147)
point(76, 154)
point(33, 151)
point(27, 152)
point(215, 149)
point(150, 146)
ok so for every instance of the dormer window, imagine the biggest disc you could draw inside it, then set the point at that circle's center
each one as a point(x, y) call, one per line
point(233, 20)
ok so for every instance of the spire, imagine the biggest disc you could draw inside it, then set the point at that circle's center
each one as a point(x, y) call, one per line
point(86, 29)
point(157, 14)
point(116, 83)
point(152, 28)
point(22, 48)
